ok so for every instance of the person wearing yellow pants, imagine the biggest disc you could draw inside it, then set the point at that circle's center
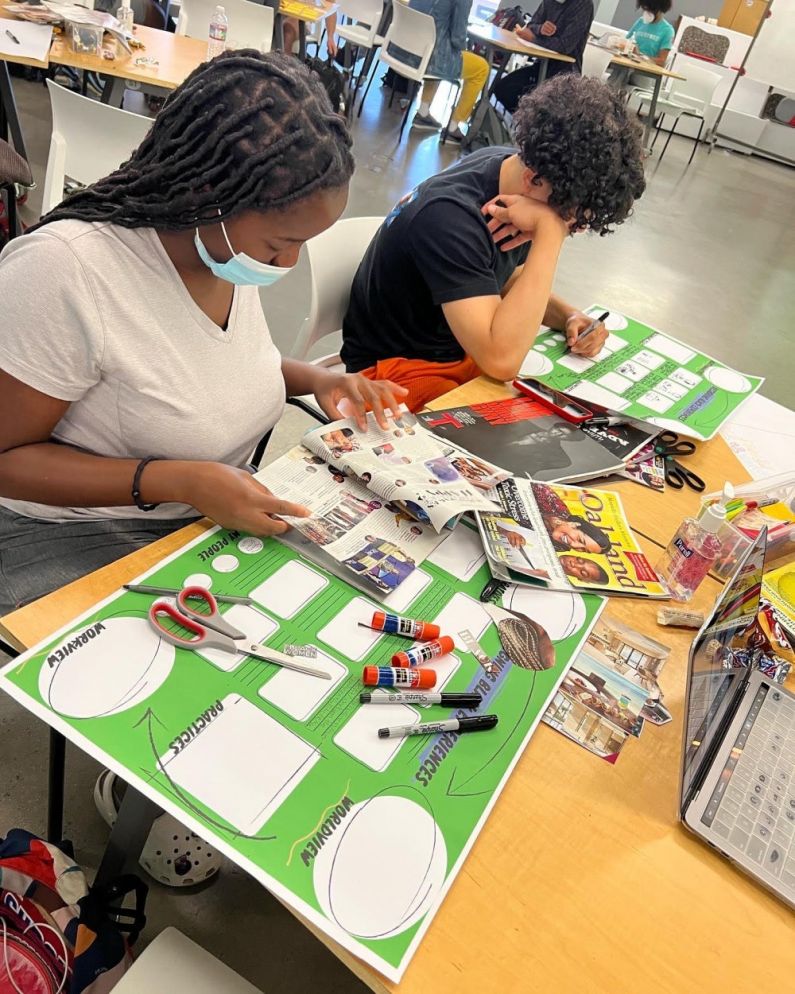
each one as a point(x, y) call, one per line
point(450, 61)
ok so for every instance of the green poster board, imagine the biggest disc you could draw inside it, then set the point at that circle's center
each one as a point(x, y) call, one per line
point(284, 773)
point(644, 374)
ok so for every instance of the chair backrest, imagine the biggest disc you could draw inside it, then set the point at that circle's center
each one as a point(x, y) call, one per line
point(698, 88)
point(409, 42)
point(334, 257)
point(250, 24)
point(89, 140)
point(363, 12)
point(595, 61)
point(701, 42)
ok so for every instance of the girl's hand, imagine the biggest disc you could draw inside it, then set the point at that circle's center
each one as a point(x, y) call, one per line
point(359, 393)
point(234, 499)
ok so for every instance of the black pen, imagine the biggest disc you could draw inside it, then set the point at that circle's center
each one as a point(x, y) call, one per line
point(482, 723)
point(13, 38)
point(592, 326)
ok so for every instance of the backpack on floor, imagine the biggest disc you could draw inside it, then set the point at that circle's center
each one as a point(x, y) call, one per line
point(57, 933)
point(493, 131)
point(331, 78)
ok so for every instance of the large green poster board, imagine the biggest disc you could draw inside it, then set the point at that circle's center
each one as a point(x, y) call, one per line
point(285, 773)
point(642, 373)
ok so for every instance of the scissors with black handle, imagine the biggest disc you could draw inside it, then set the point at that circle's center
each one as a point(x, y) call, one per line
point(669, 446)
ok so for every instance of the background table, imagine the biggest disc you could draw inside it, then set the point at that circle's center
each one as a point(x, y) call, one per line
point(497, 39)
point(648, 68)
point(581, 879)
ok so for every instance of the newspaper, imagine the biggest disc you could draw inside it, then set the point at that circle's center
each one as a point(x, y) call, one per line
point(379, 499)
point(565, 538)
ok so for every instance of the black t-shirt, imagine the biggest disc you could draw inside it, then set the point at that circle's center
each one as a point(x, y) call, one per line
point(433, 248)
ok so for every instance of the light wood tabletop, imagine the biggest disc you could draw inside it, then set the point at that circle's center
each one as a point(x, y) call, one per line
point(581, 880)
point(177, 56)
point(640, 64)
point(490, 34)
point(20, 60)
point(308, 12)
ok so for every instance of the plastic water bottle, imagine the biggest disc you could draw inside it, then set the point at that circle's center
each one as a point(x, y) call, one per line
point(124, 15)
point(219, 26)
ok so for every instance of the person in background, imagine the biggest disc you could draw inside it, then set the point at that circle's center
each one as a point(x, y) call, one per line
point(458, 279)
point(560, 25)
point(451, 61)
point(290, 33)
point(651, 32)
point(653, 36)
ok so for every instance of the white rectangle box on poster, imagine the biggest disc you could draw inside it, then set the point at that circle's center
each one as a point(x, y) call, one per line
point(254, 623)
point(344, 634)
point(219, 769)
point(300, 695)
point(289, 590)
point(359, 737)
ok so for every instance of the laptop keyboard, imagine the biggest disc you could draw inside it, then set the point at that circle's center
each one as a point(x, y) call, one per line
point(753, 804)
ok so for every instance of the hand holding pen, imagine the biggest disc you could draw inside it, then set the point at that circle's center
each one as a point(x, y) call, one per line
point(585, 335)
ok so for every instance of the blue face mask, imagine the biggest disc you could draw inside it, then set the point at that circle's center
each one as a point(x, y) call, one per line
point(241, 269)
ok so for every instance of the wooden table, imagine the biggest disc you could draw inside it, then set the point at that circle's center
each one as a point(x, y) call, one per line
point(643, 65)
point(581, 881)
point(498, 39)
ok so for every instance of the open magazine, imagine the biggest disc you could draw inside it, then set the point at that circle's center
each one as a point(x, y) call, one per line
point(564, 538)
point(379, 498)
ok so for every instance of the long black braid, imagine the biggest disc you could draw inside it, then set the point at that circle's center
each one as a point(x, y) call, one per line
point(244, 132)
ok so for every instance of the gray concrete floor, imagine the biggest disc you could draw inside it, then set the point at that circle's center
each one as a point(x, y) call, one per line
point(709, 256)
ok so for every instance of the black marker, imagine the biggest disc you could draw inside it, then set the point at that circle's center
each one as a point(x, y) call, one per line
point(482, 723)
point(592, 326)
point(470, 701)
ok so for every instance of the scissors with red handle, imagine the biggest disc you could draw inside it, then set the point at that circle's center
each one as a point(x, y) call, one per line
point(212, 631)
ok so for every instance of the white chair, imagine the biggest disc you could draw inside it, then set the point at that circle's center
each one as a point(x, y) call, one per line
point(686, 98)
point(334, 257)
point(89, 140)
point(357, 23)
point(250, 24)
point(595, 61)
point(176, 964)
point(407, 50)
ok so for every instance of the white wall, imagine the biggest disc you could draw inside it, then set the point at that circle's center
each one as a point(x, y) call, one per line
point(772, 58)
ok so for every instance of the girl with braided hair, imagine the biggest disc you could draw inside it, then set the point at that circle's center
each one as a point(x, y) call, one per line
point(137, 371)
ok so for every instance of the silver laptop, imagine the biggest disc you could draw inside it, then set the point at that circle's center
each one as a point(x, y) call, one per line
point(738, 763)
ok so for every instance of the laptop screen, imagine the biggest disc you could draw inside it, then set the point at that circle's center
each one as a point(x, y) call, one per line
point(720, 656)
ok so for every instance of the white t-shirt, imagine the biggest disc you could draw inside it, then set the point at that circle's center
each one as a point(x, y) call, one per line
point(97, 315)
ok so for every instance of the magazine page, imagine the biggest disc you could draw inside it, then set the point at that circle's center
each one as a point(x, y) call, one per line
point(593, 542)
point(526, 438)
point(611, 690)
point(372, 538)
point(577, 537)
point(433, 481)
point(516, 541)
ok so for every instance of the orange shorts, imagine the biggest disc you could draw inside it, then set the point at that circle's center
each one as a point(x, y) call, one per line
point(424, 380)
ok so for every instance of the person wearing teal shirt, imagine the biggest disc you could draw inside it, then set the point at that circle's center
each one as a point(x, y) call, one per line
point(651, 32)
point(653, 36)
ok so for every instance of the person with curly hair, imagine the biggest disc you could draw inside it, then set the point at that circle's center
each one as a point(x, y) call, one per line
point(560, 25)
point(458, 278)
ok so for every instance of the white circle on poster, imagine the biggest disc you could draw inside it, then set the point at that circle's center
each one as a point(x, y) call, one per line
point(198, 580)
point(613, 321)
point(536, 364)
point(225, 564)
point(669, 425)
point(251, 545)
point(560, 613)
point(727, 379)
point(382, 868)
point(121, 666)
